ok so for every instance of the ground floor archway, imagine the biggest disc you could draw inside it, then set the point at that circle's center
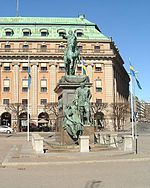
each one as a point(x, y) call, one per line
point(6, 119)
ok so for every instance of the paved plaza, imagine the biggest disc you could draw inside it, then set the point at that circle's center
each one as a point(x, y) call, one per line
point(21, 167)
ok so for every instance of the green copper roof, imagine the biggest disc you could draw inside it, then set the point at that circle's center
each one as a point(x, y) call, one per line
point(52, 25)
point(43, 20)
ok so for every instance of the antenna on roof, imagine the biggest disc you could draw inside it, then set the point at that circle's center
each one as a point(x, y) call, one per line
point(17, 8)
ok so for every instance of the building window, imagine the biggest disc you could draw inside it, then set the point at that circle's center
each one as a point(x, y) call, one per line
point(6, 89)
point(96, 49)
point(25, 85)
point(98, 89)
point(43, 101)
point(61, 32)
point(61, 67)
point(6, 85)
point(25, 102)
point(25, 47)
point(61, 48)
point(7, 47)
point(9, 32)
point(44, 34)
point(43, 67)
point(98, 101)
point(43, 85)
point(98, 85)
point(6, 67)
point(26, 32)
point(98, 68)
point(80, 48)
point(5, 101)
point(43, 48)
point(79, 32)
point(25, 67)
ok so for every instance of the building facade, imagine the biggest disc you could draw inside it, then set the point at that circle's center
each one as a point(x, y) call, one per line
point(147, 111)
point(39, 41)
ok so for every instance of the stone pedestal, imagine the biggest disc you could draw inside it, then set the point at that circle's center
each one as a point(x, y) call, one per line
point(128, 143)
point(113, 140)
point(65, 90)
point(84, 143)
point(37, 143)
point(67, 86)
point(89, 131)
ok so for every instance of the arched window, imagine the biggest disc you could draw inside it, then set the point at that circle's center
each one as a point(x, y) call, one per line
point(79, 32)
point(44, 32)
point(26, 32)
point(9, 32)
point(61, 32)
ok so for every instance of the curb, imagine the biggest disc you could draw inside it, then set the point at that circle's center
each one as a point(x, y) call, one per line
point(73, 162)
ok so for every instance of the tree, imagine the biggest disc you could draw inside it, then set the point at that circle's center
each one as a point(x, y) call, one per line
point(16, 109)
point(52, 111)
point(120, 113)
point(98, 108)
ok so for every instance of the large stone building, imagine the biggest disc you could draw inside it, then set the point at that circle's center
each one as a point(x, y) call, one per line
point(147, 111)
point(39, 40)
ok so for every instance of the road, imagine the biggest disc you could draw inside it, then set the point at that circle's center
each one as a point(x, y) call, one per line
point(96, 175)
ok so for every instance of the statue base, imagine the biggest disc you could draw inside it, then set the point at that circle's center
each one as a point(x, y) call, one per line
point(89, 131)
point(65, 90)
point(67, 86)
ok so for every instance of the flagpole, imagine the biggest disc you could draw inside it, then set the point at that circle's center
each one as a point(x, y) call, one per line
point(82, 67)
point(17, 8)
point(28, 125)
point(132, 106)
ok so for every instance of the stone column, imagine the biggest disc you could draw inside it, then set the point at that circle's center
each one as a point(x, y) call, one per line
point(1, 103)
point(34, 93)
point(15, 84)
point(109, 94)
point(90, 74)
point(53, 82)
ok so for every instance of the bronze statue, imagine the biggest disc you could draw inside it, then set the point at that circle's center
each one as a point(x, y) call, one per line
point(71, 54)
point(82, 98)
point(72, 121)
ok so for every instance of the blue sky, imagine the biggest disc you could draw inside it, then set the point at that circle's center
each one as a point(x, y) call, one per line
point(127, 22)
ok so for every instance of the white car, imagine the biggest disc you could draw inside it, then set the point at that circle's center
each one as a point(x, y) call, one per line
point(6, 129)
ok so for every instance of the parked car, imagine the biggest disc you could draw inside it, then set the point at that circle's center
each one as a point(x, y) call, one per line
point(6, 129)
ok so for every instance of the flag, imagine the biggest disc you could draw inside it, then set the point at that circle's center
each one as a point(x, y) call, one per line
point(29, 75)
point(138, 83)
point(132, 72)
point(84, 71)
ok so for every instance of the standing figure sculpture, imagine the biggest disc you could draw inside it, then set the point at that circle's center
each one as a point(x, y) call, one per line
point(71, 54)
point(82, 98)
